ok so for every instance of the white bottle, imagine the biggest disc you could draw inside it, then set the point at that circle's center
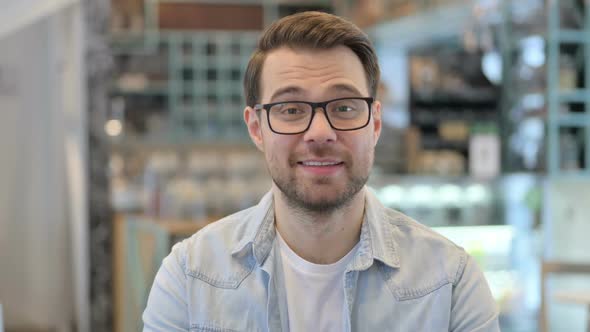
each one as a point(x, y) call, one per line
point(484, 153)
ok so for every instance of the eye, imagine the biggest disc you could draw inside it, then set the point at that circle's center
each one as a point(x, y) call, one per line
point(292, 111)
point(344, 108)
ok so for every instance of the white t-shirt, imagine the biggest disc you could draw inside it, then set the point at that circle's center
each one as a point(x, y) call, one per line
point(315, 292)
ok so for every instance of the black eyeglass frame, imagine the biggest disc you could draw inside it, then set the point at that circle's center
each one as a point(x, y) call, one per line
point(314, 106)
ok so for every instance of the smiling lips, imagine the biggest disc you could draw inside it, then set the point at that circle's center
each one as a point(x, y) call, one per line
point(320, 163)
point(321, 167)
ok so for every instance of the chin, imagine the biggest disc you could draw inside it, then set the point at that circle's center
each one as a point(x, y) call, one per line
point(318, 198)
point(321, 205)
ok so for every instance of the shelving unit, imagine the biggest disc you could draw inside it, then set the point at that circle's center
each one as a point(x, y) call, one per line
point(201, 89)
point(568, 161)
point(191, 85)
point(559, 122)
point(446, 114)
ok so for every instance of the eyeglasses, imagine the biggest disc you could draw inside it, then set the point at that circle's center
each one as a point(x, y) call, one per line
point(294, 117)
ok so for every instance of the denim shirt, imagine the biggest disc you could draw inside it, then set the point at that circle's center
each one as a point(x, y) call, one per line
point(404, 277)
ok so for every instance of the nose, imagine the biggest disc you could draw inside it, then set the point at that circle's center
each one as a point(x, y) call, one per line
point(319, 130)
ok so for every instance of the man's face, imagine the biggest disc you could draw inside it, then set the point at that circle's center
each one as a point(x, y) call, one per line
point(292, 160)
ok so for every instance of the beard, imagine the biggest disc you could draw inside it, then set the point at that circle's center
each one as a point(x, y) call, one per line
point(310, 196)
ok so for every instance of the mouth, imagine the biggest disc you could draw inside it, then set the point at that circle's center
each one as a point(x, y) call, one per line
point(321, 167)
point(320, 163)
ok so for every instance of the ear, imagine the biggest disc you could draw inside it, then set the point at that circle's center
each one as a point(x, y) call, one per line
point(376, 109)
point(254, 127)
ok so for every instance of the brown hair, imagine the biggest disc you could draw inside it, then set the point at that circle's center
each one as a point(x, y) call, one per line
point(314, 30)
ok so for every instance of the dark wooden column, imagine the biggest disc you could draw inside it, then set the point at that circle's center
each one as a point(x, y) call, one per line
point(98, 71)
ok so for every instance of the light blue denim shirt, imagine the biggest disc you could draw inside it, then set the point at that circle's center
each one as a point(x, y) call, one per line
point(404, 277)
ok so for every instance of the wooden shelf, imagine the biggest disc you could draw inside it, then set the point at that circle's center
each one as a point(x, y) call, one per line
point(557, 267)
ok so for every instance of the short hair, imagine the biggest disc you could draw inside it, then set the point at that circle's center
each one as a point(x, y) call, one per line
point(313, 30)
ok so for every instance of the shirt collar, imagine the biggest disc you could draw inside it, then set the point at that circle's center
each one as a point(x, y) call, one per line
point(377, 239)
point(377, 236)
point(260, 231)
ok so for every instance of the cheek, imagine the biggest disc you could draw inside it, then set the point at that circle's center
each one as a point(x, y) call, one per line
point(362, 147)
point(276, 150)
point(271, 157)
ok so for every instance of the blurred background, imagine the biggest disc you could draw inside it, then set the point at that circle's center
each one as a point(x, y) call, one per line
point(121, 133)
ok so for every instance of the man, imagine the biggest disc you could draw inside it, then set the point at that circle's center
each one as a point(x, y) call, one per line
point(319, 252)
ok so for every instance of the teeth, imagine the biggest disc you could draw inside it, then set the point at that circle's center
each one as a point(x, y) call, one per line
point(320, 163)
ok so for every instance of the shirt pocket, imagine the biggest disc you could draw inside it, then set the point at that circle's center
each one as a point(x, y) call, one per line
point(213, 309)
point(427, 310)
point(422, 308)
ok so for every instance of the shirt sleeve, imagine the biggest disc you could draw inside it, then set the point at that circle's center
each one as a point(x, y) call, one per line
point(166, 308)
point(473, 307)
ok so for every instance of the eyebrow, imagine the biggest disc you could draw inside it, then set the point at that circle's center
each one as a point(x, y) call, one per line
point(291, 89)
point(346, 88)
point(285, 91)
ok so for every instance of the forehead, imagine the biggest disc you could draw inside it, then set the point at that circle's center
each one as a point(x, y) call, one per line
point(312, 73)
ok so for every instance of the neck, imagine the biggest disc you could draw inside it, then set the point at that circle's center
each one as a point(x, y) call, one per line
point(320, 238)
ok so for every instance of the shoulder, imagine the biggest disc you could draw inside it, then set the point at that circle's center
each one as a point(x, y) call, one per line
point(416, 246)
point(224, 232)
point(207, 254)
point(414, 235)
point(432, 264)
point(424, 252)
